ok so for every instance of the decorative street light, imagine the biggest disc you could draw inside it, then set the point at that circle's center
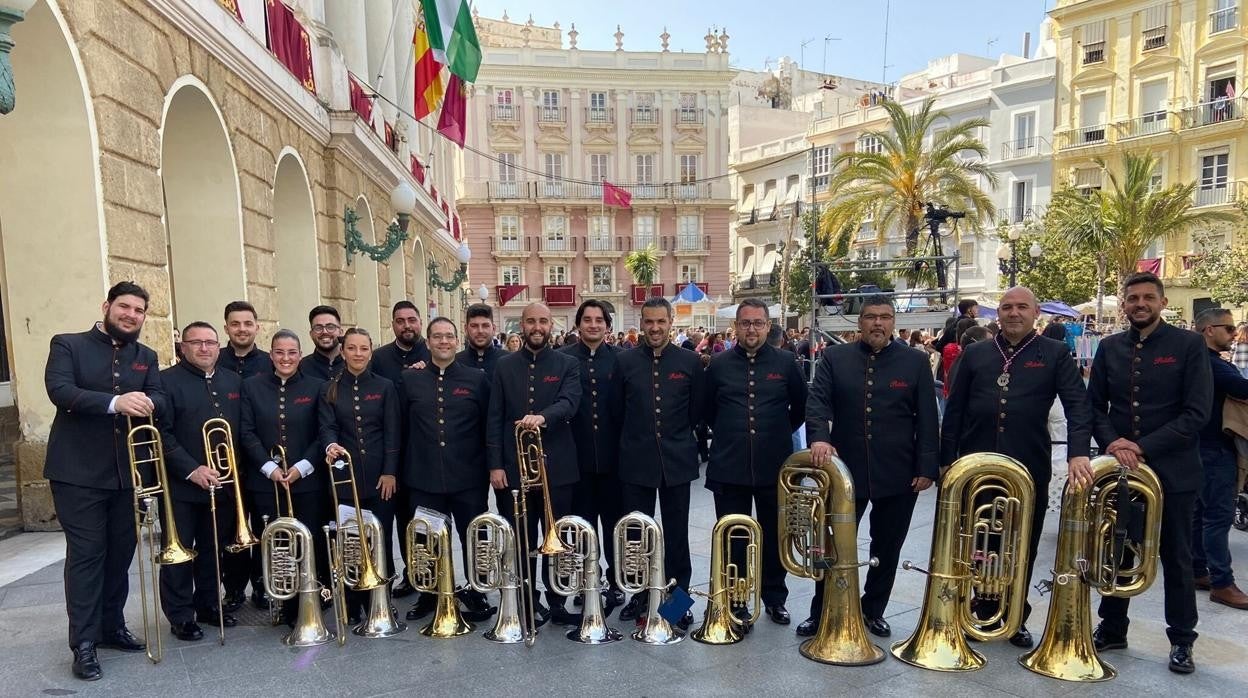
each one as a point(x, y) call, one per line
point(483, 293)
point(1010, 263)
point(435, 280)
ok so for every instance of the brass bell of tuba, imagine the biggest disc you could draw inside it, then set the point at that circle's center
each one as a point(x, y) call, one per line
point(431, 569)
point(1093, 534)
point(492, 566)
point(380, 619)
point(639, 568)
point(288, 562)
point(730, 585)
point(819, 540)
point(979, 548)
point(576, 571)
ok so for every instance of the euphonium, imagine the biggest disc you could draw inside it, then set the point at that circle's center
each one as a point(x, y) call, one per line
point(576, 571)
point(353, 550)
point(288, 562)
point(144, 446)
point(531, 462)
point(979, 547)
point(219, 451)
point(639, 568)
point(1092, 536)
point(809, 516)
point(431, 569)
point(730, 585)
point(381, 619)
point(492, 566)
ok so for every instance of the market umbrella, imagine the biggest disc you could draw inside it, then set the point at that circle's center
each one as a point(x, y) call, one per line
point(1060, 308)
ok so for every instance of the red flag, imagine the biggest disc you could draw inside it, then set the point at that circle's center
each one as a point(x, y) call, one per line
point(452, 122)
point(361, 102)
point(428, 74)
point(615, 196)
point(506, 293)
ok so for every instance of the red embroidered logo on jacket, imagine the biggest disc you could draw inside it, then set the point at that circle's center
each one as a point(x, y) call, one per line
point(550, 379)
point(461, 392)
point(138, 366)
point(1034, 364)
point(1160, 360)
point(676, 376)
point(898, 384)
point(303, 400)
point(372, 396)
point(774, 377)
point(231, 396)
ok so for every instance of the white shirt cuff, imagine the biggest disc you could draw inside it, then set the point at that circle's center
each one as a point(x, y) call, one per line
point(112, 405)
point(268, 469)
point(304, 467)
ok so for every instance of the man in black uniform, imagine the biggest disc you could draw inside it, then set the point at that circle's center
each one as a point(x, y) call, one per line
point(100, 381)
point(444, 464)
point(1151, 389)
point(541, 389)
point(755, 399)
point(243, 357)
point(481, 351)
point(325, 361)
point(659, 390)
point(999, 403)
point(597, 495)
point(196, 392)
point(873, 404)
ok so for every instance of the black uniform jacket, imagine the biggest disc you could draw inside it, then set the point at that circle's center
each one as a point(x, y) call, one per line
point(981, 416)
point(1155, 391)
point(193, 398)
point(660, 400)
point(753, 404)
point(882, 410)
point(85, 371)
point(548, 384)
point(316, 366)
point(446, 410)
point(255, 363)
point(484, 360)
point(282, 413)
point(595, 426)
point(365, 419)
point(390, 360)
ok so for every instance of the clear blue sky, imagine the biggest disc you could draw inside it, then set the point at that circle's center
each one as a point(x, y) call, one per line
point(918, 29)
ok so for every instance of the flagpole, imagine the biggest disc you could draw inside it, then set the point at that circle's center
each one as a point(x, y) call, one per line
point(394, 19)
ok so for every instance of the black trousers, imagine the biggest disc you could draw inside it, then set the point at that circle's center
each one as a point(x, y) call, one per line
point(596, 498)
point(560, 505)
point(890, 522)
point(192, 586)
point(1176, 567)
point(236, 567)
point(985, 608)
point(674, 500)
point(736, 499)
point(310, 510)
point(99, 547)
point(461, 506)
point(403, 508)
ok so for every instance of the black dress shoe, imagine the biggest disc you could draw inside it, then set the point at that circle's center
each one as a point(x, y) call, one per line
point(561, 616)
point(259, 599)
point(611, 600)
point(779, 614)
point(403, 589)
point(187, 632)
point(233, 600)
point(878, 627)
point(808, 627)
point(123, 640)
point(477, 607)
point(1102, 641)
point(423, 606)
point(1181, 659)
point(578, 600)
point(742, 614)
point(210, 617)
point(1022, 638)
point(635, 608)
point(86, 665)
point(685, 620)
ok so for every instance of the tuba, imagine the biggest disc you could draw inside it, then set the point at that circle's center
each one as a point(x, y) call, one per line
point(380, 620)
point(492, 566)
point(1093, 534)
point(639, 568)
point(144, 447)
point(575, 571)
point(819, 540)
point(288, 562)
point(353, 559)
point(531, 462)
point(979, 547)
point(431, 569)
point(731, 586)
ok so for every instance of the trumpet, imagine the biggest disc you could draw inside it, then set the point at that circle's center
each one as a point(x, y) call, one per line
point(432, 570)
point(639, 568)
point(575, 572)
point(218, 439)
point(288, 563)
point(1093, 535)
point(492, 566)
point(819, 540)
point(979, 544)
point(354, 559)
point(730, 585)
point(144, 447)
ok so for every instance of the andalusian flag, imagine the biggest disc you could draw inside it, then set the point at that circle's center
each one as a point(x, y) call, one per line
point(428, 74)
point(452, 36)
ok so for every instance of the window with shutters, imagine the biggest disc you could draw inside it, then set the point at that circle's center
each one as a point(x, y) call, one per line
point(509, 233)
point(556, 233)
point(645, 168)
point(504, 105)
point(598, 111)
point(1214, 174)
point(510, 275)
point(556, 275)
point(1092, 118)
point(1093, 42)
point(690, 273)
point(688, 168)
point(599, 167)
point(643, 231)
point(1154, 27)
point(870, 144)
point(1224, 17)
point(823, 167)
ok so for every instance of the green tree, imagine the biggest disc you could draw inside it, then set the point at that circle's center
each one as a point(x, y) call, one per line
point(1223, 272)
point(643, 264)
point(800, 281)
point(1059, 274)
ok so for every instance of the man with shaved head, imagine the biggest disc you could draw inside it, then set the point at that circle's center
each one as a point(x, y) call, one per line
point(999, 403)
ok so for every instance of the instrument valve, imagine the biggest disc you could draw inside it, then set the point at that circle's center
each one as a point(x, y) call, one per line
point(871, 562)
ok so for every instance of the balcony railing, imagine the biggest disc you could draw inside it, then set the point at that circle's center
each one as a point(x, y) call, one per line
point(556, 244)
point(1147, 125)
point(585, 191)
point(648, 116)
point(1024, 148)
point(1094, 53)
point(1223, 20)
point(602, 243)
point(1215, 111)
point(690, 192)
point(509, 243)
point(508, 190)
point(599, 115)
point(552, 115)
point(1088, 135)
point(690, 242)
point(643, 240)
point(690, 116)
point(1154, 38)
point(1019, 214)
point(1215, 193)
point(506, 113)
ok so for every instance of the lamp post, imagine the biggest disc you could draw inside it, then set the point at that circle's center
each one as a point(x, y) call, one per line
point(1009, 261)
point(436, 281)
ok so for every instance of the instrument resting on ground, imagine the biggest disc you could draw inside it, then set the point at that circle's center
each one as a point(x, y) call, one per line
point(639, 568)
point(218, 439)
point(731, 586)
point(492, 566)
point(288, 562)
point(431, 569)
point(576, 571)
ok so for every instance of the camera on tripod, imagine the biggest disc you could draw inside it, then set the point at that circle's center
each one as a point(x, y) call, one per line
point(939, 214)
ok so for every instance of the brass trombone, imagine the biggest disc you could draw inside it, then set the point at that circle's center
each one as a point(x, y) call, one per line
point(218, 439)
point(352, 548)
point(492, 565)
point(639, 568)
point(819, 540)
point(278, 456)
point(730, 585)
point(531, 462)
point(1092, 537)
point(432, 570)
point(576, 571)
point(979, 547)
point(145, 448)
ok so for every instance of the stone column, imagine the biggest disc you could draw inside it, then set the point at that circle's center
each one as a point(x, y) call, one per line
point(378, 15)
point(346, 22)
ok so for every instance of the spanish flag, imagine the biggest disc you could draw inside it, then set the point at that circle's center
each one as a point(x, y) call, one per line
point(428, 74)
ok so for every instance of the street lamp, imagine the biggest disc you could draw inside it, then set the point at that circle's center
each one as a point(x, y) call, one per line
point(1009, 261)
point(457, 279)
point(483, 293)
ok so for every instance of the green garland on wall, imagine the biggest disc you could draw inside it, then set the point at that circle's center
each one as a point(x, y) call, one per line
point(395, 237)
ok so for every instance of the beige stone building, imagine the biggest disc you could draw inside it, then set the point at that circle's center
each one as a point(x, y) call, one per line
point(163, 141)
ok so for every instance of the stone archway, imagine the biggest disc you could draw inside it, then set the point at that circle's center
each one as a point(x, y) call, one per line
point(420, 274)
point(296, 269)
point(203, 218)
point(367, 296)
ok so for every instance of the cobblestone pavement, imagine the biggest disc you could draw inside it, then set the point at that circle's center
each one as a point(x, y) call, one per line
point(34, 659)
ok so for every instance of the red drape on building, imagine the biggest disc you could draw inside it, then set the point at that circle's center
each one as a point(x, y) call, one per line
point(1152, 266)
point(455, 227)
point(361, 103)
point(506, 293)
point(391, 143)
point(418, 170)
point(290, 43)
point(232, 6)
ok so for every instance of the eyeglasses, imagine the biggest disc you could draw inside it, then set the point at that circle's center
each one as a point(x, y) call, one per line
point(201, 343)
point(874, 318)
point(326, 329)
point(756, 324)
point(1228, 328)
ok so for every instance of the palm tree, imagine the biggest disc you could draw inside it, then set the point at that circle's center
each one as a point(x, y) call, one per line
point(1118, 225)
point(892, 186)
point(643, 264)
